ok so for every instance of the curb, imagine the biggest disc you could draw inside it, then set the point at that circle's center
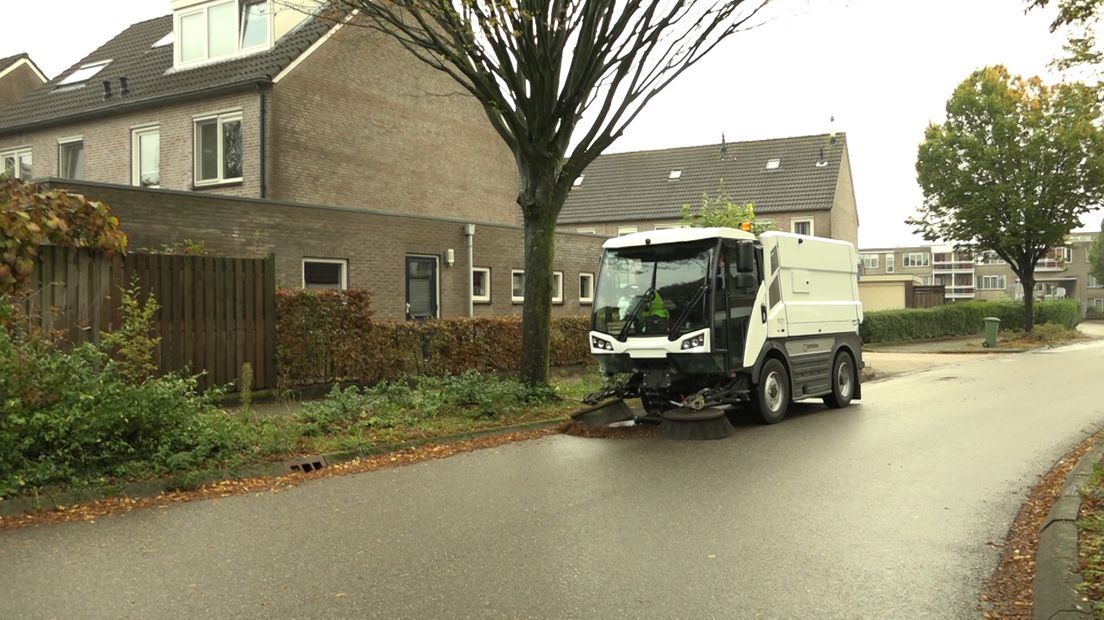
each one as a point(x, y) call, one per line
point(15, 506)
point(1057, 567)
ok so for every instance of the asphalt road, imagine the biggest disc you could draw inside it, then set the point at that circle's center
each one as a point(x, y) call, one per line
point(882, 510)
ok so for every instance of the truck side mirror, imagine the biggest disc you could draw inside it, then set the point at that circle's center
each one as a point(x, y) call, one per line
point(745, 281)
point(745, 257)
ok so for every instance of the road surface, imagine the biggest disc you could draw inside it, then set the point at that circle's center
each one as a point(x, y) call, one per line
point(885, 509)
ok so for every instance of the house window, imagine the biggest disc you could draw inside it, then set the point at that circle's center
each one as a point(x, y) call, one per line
point(145, 157)
point(586, 288)
point(925, 280)
point(84, 73)
point(774, 163)
point(71, 158)
point(1094, 283)
point(481, 284)
point(625, 230)
point(325, 273)
point(517, 285)
point(557, 287)
point(221, 29)
point(916, 259)
point(993, 283)
point(1064, 254)
point(889, 263)
point(870, 261)
point(587, 231)
point(988, 257)
point(802, 227)
point(218, 149)
point(17, 163)
point(1097, 304)
point(675, 175)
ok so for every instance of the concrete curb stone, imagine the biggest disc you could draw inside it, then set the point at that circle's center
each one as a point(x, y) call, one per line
point(1057, 567)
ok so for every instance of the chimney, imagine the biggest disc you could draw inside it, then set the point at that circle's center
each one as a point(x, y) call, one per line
point(123, 88)
point(107, 89)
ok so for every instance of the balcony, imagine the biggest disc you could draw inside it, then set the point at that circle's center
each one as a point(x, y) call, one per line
point(1050, 264)
point(950, 267)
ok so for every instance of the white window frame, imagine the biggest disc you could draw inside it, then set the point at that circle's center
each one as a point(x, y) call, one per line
point(590, 277)
point(794, 223)
point(482, 299)
point(674, 175)
point(344, 262)
point(1097, 304)
point(18, 154)
point(136, 134)
point(587, 231)
point(626, 230)
point(239, 51)
point(1066, 254)
point(61, 144)
point(774, 163)
point(557, 287)
point(514, 298)
point(84, 73)
point(999, 283)
point(220, 118)
point(866, 260)
point(912, 260)
point(890, 264)
point(1093, 282)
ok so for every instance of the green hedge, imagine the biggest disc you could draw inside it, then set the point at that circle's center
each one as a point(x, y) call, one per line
point(961, 319)
point(330, 336)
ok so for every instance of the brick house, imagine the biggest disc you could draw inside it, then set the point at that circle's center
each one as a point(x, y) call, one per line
point(1062, 274)
point(253, 100)
point(799, 184)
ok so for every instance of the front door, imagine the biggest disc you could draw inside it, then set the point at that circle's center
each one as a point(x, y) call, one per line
point(421, 287)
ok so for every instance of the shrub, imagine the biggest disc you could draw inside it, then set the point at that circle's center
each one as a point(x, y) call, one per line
point(329, 336)
point(131, 346)
point(71, 417)
point(961, 319)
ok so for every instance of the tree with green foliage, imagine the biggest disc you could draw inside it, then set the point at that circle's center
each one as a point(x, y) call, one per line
point(32, 216)
point(1080, 19)
point(559, 80)
point(720, 211)
point(1096, 256)
point(1012, 170)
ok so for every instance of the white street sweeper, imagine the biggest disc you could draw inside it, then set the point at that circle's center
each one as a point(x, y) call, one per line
point(701, 318)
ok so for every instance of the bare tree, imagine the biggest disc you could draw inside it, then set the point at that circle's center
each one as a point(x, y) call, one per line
point(560, 80)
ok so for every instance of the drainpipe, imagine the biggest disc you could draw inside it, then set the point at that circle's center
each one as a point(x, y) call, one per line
point(469, 234)
point(263, 145)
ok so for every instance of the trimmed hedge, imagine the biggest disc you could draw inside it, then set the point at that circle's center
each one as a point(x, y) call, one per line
point(330, 336)
point(961, 319)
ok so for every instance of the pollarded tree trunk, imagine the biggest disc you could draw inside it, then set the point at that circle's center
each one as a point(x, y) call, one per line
point(540, 202)
point(1028, 280)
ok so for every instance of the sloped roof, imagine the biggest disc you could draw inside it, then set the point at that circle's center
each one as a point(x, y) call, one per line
point(11, 60)
point(636, 185)
point(150, 75)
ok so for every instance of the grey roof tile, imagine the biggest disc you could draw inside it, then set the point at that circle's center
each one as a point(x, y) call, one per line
point(150, 75)
point(635, 186)
point(10, 60)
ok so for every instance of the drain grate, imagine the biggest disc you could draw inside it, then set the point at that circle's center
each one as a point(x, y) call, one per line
point(307, 464)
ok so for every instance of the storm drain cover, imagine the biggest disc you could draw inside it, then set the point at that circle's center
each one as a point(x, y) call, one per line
point(307, 464)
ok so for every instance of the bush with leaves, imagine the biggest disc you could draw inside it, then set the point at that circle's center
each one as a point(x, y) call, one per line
point(961, 319)
point(131, 346)
point(32, 216)
point(720, 211)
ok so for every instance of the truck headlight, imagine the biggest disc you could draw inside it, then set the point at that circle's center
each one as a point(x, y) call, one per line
point(598, 343)
point(693, 343)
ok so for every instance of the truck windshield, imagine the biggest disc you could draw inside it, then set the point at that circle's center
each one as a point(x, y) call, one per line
point(644, 291)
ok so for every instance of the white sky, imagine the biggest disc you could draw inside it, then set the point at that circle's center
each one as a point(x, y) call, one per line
point(883, 68)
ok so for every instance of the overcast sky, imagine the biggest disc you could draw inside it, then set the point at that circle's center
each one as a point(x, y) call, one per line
point(883, 68)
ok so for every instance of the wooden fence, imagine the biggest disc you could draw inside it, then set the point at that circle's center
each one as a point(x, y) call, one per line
point(216, 313)
point(928, 296)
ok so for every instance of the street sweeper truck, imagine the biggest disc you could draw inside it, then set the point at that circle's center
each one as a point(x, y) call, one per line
point(706, 318)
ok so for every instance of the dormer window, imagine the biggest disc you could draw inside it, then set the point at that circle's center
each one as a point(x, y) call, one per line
point(209, 31)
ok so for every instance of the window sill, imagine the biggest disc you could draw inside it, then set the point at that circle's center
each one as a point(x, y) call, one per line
point(517, 301)
point(485, 302)
point(197, 187)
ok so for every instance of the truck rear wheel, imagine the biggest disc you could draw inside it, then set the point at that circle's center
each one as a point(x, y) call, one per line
point(772, 395)
point(843, 382)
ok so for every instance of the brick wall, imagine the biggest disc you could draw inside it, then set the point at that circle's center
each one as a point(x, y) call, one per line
point(107, 143)
point(845, 213)
point(374, 243)
point(363, 123)
point(20, 80)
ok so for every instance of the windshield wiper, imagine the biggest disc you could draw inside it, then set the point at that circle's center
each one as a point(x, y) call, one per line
point(686, 312)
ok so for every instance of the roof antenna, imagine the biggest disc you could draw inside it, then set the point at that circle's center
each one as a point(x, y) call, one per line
point(832, 129)
point(724, 146)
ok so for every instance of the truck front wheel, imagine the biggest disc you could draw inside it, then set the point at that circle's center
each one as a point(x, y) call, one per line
point(772, 395)
point(843, 382)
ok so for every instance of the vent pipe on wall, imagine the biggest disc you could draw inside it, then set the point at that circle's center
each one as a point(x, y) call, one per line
point(124, 88)
point(107, 89)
